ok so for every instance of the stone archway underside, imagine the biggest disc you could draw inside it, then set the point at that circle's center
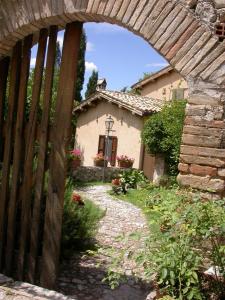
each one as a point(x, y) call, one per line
point(173, 30)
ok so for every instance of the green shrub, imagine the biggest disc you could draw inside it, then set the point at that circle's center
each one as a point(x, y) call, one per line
point(128, 179)
point(162, 133)
point(186, 238)
point(79, 222)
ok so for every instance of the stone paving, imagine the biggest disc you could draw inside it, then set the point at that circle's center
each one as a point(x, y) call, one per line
point(118, 237)
point(81, 276)
point(11, 290)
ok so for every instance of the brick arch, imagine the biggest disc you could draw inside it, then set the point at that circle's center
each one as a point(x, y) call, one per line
point(167, 25)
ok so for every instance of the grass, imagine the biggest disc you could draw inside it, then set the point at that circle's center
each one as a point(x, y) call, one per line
point(80, 223)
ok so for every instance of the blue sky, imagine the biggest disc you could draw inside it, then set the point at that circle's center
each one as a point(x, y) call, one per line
point(119, 55)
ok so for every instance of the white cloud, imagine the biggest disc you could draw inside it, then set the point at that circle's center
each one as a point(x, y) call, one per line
point(90, 66)
point(156, 65)
point(33, 62)
point(90, 47)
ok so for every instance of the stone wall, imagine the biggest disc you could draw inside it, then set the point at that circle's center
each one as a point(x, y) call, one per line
point(202, 159)
point(210, 11)
point(90, 174)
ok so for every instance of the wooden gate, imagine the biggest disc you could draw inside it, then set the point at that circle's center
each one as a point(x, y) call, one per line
point(34, 135)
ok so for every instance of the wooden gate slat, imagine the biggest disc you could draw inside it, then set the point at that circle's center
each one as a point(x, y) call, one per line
point(43, 140)
point(25, 67)
point(12, 102)
point(4, 67)
point(61, 129)
point(26, 190)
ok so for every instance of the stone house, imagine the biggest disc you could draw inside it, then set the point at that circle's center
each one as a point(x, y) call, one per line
point(128, 112)
point(166, 84)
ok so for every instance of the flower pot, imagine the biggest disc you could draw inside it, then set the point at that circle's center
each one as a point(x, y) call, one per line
point(100, 163)
point(125, 164)
point(75, 164)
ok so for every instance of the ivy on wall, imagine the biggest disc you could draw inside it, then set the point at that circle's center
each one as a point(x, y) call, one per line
point(162, 133)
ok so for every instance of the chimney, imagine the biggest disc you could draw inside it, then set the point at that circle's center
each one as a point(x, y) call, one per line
point(101, 84)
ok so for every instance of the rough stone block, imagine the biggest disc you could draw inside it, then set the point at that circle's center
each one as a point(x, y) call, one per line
point(198, 140)
point(219, 3)
point(184, 168)
point(204, 122)
point(221, 172)
point(206, 11)
point(203, 151)
point(196, 110)
point(202, 183)
point(199, 160)
point(197, 130)
point(203, 170)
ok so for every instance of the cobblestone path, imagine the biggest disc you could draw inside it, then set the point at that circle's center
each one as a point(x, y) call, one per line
point(81, 276)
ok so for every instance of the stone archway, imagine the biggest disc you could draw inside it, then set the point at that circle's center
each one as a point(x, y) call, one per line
point(173, 29)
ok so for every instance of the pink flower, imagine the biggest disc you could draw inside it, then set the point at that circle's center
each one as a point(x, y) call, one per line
point(75, 154)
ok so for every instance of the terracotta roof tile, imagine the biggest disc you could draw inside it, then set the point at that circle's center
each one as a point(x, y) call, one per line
point(140, 105)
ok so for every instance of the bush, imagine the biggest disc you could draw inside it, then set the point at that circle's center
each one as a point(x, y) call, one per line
point(162, 133)
point(186, 238)
point(128, 179)
point(80, 222)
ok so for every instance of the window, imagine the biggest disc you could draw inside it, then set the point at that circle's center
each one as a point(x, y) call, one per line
point(177, 94)
point(112, 148)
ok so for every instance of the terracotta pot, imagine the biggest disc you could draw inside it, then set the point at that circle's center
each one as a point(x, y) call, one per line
point(75, 164)
point(100, 163)
point(125, 164)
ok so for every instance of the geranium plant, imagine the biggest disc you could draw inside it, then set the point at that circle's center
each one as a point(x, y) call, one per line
point(75, 154)
point(99, 157)
point(125, 158)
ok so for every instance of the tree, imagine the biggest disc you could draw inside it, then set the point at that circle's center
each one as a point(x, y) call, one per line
point(92, 84)
point(162, 133)
point(58, 56)
point(81, 68)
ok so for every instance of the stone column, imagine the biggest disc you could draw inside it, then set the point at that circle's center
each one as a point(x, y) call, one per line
point(202, 158)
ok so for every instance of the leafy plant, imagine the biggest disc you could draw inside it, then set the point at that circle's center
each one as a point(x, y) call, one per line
point(79, 221)
point(187, 237)
point(162, 133)
point(131, 178)
point(128, 179)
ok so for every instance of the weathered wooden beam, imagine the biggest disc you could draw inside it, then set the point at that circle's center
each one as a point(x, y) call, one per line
point(43, 141)
point(12, 107)
point(4, 67)
point(26, 189)
point(18, 146)
point(60, 141)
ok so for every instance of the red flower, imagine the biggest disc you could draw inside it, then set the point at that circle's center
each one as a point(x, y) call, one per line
point(77, 198)
point(116, 181)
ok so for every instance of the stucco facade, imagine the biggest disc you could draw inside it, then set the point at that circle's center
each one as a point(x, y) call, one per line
point(127, 128)
point(167, 84)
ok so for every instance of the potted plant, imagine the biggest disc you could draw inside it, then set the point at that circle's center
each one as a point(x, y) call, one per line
point(100, 161)
point(124, 161)
point(75, 157)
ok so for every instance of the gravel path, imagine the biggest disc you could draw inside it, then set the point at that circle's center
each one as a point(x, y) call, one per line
point(121, 232)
